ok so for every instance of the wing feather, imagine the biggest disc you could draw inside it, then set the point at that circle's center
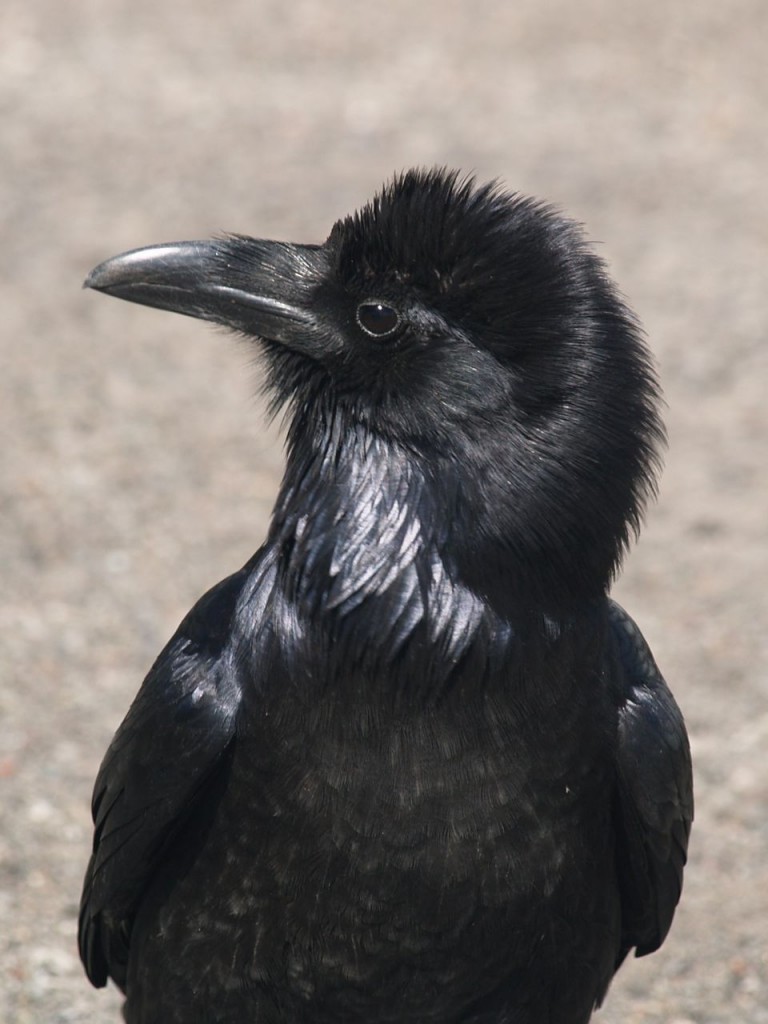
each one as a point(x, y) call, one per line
point(172, 741)
point(655, 792)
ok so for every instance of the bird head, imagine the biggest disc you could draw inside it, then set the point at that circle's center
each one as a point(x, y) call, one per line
point(471, 327)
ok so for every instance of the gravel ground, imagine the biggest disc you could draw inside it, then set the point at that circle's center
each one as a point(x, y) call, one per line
point(137, 469)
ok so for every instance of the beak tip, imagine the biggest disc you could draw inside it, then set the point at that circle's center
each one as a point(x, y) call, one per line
point(123, 275)
point(99, 278)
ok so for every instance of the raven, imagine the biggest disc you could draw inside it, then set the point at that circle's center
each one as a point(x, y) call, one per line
point(410, 764)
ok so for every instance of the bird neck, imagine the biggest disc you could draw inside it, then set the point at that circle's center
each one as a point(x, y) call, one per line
point(362, 547)
point(363, 535)
point(353, 518)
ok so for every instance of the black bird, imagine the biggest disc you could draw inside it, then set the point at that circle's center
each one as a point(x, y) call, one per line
point(410, 764)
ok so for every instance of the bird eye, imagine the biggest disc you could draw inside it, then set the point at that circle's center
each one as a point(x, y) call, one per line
point(377, 318)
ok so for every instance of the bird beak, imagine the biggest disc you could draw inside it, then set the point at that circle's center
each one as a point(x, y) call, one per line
point(258, 287)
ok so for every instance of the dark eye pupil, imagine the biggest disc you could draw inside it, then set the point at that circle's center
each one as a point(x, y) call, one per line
point(377, 318)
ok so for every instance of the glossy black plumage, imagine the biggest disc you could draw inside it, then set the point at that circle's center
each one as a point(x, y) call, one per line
point(410, 763)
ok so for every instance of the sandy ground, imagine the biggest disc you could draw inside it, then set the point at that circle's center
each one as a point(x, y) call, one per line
point(136, 467)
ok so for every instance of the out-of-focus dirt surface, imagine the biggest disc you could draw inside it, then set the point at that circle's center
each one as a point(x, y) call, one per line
point(136, 466)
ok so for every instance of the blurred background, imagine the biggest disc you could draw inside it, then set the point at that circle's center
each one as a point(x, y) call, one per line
point(137, 468)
